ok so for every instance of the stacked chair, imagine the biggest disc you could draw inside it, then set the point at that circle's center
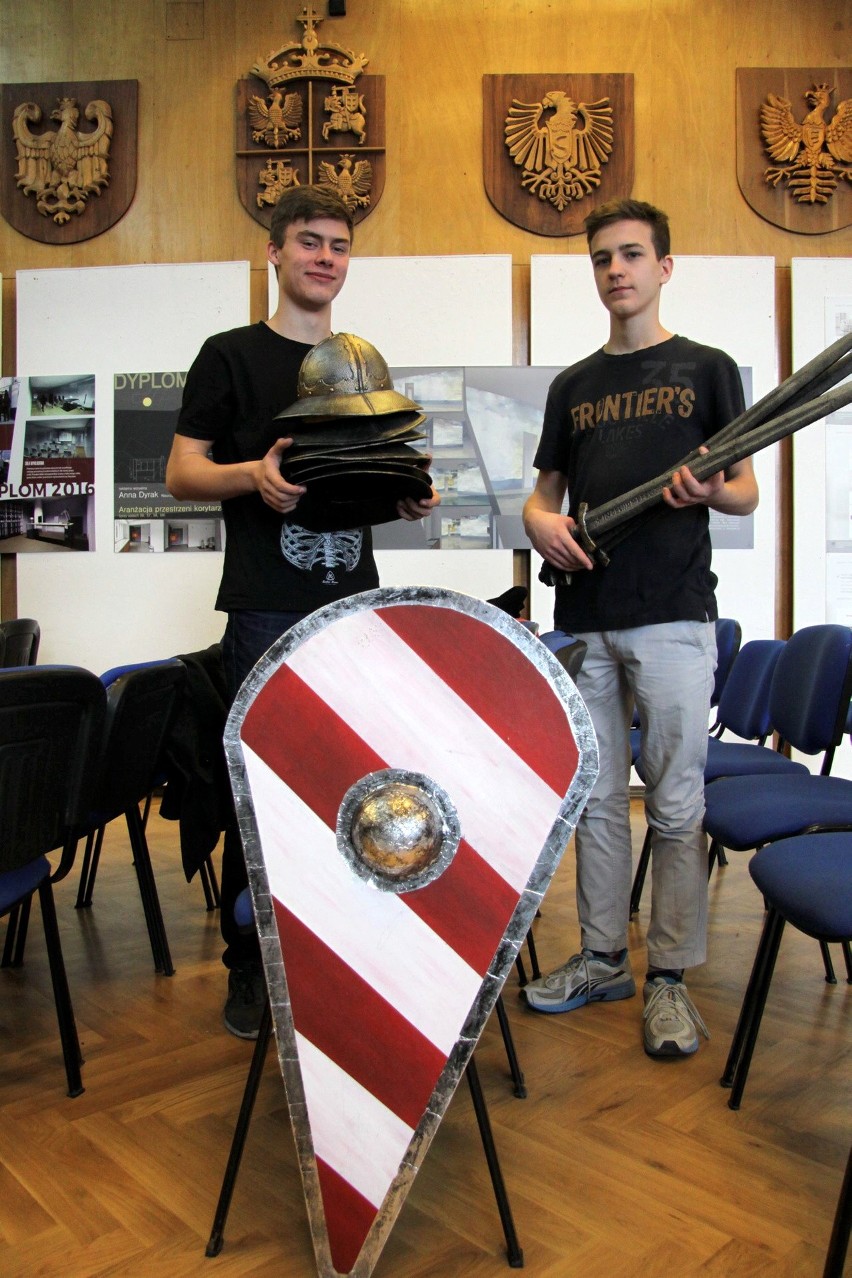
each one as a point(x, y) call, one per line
point(808, 706)
point(141, 702)
point(807, 882)
point(51, 723)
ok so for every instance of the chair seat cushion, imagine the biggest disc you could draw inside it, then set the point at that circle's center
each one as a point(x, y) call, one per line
point(732, 759)
point(741, 758)
point(243, 910)
point(743, 813)
point(808, 880)
point(16, 885)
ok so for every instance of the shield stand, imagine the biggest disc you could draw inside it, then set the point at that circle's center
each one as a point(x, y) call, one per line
point(514, 1251)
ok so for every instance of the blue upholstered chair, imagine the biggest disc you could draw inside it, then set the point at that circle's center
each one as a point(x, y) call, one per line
point(809, 703)
point(805, 881)
point(50, 730)
point(809, 708)
point(567, 650)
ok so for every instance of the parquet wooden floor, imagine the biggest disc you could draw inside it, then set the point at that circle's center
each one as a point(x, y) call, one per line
point(616, 1165)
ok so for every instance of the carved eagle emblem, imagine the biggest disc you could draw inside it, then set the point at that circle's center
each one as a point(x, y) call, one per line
point(275, 120)
point(560, 145)
point(814, 154)
point(352, 184)
point(62, 167)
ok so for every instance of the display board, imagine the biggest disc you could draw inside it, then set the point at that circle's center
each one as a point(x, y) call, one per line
point(822, 464)
point(102, 609)
point(569, 322)
point(117, 321)
point(822, 454)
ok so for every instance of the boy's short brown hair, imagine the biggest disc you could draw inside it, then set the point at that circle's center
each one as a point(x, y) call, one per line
point(631, 211)
point(305, 204)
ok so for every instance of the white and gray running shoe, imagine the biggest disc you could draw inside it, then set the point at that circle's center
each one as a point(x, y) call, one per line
point(672, 1020)
point(583, 979)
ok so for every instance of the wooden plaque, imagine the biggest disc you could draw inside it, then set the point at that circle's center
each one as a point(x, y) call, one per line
point(81, 194)
point(803, 185)
point(556, 146)
point(319, 154)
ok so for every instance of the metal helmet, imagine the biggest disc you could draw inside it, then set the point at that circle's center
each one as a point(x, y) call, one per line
point(344, 376)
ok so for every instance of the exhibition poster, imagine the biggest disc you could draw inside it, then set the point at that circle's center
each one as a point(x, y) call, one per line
point(47, 464)
point(147, 518)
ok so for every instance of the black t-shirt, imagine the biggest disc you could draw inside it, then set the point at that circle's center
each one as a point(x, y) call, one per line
point(612, 422)
point(237, 384)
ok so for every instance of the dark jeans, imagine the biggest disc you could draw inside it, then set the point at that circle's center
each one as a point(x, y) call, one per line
point(247, 637)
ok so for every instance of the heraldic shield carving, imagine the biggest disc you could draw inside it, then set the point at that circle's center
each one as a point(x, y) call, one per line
point(308, 116)
point(794, 146)
point(554, 146)
point(68, 158)
point(408, 766)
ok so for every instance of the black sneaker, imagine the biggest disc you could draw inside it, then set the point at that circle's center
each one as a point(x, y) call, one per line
point(246, 1000)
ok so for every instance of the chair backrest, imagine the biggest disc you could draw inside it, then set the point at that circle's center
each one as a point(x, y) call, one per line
point(809, 697)
point(728, 639)
point(567, 650)
point(141, 702)
point(51, 722)
point(744, 704)
point(571, 656)
point(21, 638)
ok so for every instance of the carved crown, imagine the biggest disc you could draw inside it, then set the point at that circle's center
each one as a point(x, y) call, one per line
point(309, 58)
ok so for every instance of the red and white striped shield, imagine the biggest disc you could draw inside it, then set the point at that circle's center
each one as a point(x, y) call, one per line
point(379, 992)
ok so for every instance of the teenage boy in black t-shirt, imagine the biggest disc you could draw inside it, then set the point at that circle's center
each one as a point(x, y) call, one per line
point(228, 447)
point(617, 418)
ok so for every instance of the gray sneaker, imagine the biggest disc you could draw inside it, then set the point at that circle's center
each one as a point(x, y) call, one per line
point(672, 1020)
point(583, 979)
point(246, 1000)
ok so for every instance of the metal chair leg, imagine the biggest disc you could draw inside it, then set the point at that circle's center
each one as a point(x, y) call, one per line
point(61, 993)
point(533, 953)
point(261, 1047)
point(16, 934)
point(88, 873)
point(835, 1260)
point(210, 885)
point(148, 892)
point(509, 1044)
point(830, 976)
point(748, 1025)
point(513, 1248)
point(641, 873)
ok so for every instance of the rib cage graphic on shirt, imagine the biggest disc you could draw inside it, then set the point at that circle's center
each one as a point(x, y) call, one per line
point(304, 549)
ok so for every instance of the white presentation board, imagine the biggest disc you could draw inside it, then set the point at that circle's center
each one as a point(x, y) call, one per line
point(822, 453)
point(101, 609)
point(822, 464)
point(727, 302)
point(428, 310)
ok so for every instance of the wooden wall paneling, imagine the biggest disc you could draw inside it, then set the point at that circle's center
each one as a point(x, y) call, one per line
point(683, 58)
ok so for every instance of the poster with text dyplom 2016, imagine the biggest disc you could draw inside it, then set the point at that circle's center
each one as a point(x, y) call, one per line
point(47, 464)
point(147, 518)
